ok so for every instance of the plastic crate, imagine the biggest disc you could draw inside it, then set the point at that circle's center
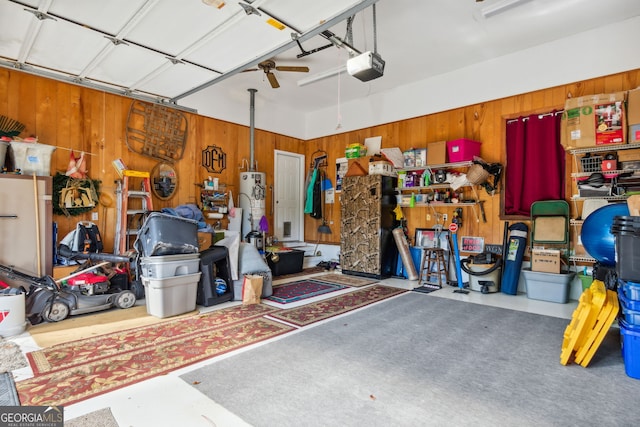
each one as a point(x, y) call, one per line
point(161, 267)
point(552, 287)
point(171, 296)
point(631, 290)
point(164, 234)
point(32, 157)
point(462, 150)
point(630, 340)
point(590, 163)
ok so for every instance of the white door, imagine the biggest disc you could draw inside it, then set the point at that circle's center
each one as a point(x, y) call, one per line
point(288, 196)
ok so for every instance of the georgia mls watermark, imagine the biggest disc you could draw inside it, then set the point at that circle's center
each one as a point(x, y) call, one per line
point(31, 416)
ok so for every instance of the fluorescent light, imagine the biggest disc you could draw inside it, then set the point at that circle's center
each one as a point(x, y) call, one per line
point(500, 7)
point(323, 75)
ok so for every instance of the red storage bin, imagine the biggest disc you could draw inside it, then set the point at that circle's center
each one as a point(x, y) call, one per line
point(462, 150)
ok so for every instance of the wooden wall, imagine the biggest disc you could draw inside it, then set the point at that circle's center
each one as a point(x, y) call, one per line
point(69, 116)
point(483, 122)
point(73, 117)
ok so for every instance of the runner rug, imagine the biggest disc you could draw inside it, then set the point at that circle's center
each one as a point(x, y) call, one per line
point(311, 313)
point(74, 371)
point(301, 289)
point(345, 279)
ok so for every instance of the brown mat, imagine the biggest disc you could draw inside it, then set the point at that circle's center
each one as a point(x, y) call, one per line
point(345, 279)
point(90, 325)
point(321, 310)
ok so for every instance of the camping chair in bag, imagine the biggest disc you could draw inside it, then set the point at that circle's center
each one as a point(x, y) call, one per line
point(550, 226)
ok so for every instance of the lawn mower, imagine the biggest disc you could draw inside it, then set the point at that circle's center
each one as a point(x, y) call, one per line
point(84, 291)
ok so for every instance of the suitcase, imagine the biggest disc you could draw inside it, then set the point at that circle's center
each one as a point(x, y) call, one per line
point(215, 268)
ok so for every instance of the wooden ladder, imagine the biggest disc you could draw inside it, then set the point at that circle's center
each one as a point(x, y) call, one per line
point(124, 229)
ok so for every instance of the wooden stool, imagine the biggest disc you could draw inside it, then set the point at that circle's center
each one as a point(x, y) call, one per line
point(433, 257)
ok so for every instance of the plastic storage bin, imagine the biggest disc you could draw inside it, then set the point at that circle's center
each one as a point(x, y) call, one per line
point(631, 290)
point(161, 267)
point(630, 339)
point(552, 287)
point(171, 296)
point(626, 231)
point(12, 309)
point(164, 234)
point(289, 262)
point(32, 157)
point(462, 150)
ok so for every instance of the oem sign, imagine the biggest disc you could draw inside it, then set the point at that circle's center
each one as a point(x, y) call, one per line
point(31, 416)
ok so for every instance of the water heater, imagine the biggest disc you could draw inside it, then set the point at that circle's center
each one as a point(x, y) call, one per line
point(252, 200)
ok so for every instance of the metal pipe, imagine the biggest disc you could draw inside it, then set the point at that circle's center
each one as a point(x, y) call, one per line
point(252, 128)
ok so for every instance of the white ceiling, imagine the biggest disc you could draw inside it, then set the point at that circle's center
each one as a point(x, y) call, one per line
point(186, 52)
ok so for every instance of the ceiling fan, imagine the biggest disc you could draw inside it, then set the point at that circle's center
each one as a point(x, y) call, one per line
point(269, 65)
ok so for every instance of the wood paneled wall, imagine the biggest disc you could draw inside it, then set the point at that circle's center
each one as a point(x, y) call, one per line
point(81, 119)
point(483, 122)
point(72, 117)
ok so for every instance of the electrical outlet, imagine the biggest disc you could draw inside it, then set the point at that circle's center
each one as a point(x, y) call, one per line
point(428, 217)
point(445, 217)
point(94, 216)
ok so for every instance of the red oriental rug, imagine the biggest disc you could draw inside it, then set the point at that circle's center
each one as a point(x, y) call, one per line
point(74, 371)
point(301, 289)
point(311, 313)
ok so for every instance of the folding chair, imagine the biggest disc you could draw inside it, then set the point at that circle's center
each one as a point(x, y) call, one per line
point(550, 225)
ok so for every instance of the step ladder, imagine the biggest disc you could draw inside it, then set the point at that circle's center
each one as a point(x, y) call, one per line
point(127, 213)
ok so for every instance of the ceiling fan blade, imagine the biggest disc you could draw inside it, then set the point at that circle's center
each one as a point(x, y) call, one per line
point(273, 80)
point(291, 68)
point(250, 69)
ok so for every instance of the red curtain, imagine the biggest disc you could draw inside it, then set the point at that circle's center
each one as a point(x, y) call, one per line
point(535, 167)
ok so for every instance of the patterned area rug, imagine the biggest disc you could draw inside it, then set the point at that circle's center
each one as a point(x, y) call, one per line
point(307, 314)
point(301, 289)
point(304, 272)
point(345, 279)
point(75, 371)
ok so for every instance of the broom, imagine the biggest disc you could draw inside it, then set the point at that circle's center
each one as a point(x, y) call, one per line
point(10, 127)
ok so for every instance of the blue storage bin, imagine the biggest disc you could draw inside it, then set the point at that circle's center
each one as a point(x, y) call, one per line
point(631, 290)
point(630, 339)
point(626, 302)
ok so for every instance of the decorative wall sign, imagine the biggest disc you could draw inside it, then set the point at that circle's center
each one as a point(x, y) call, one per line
point(214, 159)
point(156, 131)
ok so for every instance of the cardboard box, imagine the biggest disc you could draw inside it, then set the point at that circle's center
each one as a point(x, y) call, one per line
point(633, 107)
point(545, 260)
point(628, 155)
point(634, 133)
point(594, 120)
point(437, 153)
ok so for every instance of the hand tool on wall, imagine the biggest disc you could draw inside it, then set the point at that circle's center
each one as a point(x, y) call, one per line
point(482, 213)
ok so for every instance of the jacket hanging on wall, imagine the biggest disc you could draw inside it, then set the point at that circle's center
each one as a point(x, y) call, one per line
point(308, 205)
point(316, 212)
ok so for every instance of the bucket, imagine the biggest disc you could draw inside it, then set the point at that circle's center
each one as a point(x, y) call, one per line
point(586, 280)
point(12, 314)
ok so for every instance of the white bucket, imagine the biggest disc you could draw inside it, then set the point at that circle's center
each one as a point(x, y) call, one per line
point(12, 315)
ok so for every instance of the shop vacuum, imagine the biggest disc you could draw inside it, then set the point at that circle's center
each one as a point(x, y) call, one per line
point(489, 273)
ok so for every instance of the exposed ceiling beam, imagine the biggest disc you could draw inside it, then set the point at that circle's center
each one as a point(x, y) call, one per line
point(294, 40)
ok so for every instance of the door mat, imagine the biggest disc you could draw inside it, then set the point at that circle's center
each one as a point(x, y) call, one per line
point(425, 289)
point(301, 289)
point(314, 312)
point(8, 392)
point(345, 279)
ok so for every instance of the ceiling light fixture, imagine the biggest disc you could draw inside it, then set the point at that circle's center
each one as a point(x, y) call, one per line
point(322, 75)
point(501, 7)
